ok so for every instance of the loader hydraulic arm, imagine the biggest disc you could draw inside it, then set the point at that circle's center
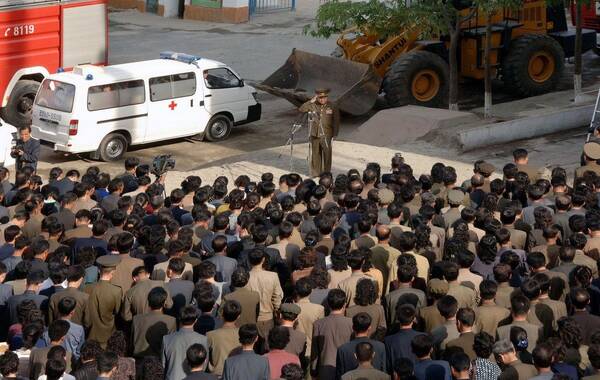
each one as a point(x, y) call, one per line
point(367, 48)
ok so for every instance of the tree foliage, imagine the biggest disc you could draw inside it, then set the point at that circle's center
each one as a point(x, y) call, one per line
point(384, 18)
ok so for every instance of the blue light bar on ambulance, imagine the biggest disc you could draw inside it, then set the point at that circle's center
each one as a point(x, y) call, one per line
point(181, 57)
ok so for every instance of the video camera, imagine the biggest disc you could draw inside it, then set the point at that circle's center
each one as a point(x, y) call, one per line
point(162, 164)
point(17, 145)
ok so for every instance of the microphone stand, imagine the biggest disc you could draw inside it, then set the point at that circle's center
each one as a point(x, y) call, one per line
point(296, 126)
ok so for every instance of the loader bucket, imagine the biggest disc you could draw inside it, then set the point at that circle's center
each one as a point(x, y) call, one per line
point(354, 86)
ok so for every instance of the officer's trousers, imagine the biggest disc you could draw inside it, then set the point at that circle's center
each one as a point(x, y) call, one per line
point(320, 155)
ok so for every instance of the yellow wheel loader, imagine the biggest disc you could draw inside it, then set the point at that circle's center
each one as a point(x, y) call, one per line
point(528, 49)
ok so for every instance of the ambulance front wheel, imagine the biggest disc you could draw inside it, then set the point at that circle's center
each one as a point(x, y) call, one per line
point(113, 147)
point(218, 128)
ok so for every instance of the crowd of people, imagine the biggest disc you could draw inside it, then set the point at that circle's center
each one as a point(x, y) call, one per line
point(363, 275)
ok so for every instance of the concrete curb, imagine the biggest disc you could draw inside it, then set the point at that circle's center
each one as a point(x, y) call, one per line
point(524, 128)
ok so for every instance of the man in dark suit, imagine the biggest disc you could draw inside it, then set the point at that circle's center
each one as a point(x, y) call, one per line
point(128, 177)
point(34, 280)
point(196, 357)
point(346, 355)
point(181, 290)
point(220, 226)
point(8, 248)
point(149, 328)
point(247, 364)
point(175, 345)
point(398, 345)
point(96, 241)
point(27, 150)
point(66, 216)
point(58, 274)
point(67, 184)
point(329, 334)
point(176, 210)
point(40, 249)
point(422, 347)
point(111, 201)
point(580, 298)
point(225, 265)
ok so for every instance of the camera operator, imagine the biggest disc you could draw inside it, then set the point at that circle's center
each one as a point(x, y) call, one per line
point(27, 149)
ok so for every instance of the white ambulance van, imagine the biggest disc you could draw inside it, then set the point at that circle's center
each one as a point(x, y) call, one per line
point(104, 110)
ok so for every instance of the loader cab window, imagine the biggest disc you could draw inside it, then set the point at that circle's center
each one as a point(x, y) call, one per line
point(221, 78)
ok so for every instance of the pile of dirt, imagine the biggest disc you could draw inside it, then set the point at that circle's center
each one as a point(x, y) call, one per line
point(401, 125)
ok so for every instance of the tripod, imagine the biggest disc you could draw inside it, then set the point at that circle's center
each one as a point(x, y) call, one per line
point(300, 122)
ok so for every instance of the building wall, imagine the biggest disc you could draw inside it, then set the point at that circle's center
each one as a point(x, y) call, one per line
point(226, 11)
point(224, 14)
point(123, 4)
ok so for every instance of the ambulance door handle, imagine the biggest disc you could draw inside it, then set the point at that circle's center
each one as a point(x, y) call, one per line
point(191, 102)
point(207, 95)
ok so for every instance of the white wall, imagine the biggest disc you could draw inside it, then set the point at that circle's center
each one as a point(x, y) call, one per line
point(235, 3)
point(171, 7)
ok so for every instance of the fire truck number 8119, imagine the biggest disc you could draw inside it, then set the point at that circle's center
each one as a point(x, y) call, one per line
point(19, 30)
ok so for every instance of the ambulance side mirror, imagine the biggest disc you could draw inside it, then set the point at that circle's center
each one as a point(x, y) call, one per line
point(241, 84)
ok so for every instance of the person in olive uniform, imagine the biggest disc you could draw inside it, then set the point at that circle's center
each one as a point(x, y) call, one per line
point(591, 154)
point(104, 302)
point(323, 124)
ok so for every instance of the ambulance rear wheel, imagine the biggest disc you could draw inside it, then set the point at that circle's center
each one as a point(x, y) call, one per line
point(20, 103)
point(113, 147)
point(218, 128)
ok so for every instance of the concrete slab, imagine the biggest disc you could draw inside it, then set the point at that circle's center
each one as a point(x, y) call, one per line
point(404, 124)
point(524, 128)
point(518, 120)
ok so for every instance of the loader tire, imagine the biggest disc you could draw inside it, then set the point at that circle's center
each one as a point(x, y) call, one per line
point(533, 65)
point(20, 103)
point(418, 77)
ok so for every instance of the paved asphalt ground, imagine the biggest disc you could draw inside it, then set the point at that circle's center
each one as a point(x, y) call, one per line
point(254, 50)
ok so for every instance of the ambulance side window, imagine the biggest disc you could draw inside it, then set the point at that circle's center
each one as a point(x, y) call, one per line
point(115, 95)
point(172, 86)
point(184, 85)
point(160, 88)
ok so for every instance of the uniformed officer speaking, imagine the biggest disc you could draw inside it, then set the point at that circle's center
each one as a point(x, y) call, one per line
point(323, 124)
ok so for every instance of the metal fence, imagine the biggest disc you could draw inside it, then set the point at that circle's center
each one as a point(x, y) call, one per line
point(265, 6)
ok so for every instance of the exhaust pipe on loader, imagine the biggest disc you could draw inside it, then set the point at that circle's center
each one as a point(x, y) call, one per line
point(354, 86)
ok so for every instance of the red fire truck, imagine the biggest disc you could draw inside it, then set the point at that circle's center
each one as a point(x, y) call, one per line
point(38, 37)
point(590, 16)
